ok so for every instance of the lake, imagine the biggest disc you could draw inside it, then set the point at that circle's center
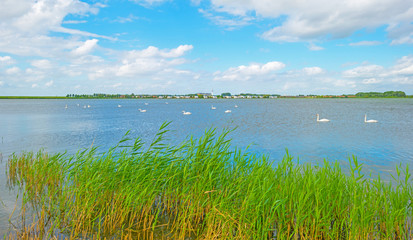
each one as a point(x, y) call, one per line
point(267, 126)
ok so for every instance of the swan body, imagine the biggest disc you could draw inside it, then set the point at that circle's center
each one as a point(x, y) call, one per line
point(227, 111)
point(146, 103)
point(236, 106)
point(119, 105)
point(88, 106)
point(213, 108)
point(142, 110)
point(322, 120)
point(66, 106)
point(369, 121)
point(186, 113)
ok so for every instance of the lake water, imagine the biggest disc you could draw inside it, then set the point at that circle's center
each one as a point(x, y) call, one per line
point(268, 126)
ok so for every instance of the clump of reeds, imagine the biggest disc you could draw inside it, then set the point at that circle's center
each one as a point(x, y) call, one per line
point(202, 189)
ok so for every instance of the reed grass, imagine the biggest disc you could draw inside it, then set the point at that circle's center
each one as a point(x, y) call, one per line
point(201, 189)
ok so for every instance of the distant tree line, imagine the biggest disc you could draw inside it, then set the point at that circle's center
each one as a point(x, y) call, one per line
point(387, 94)
point(100, 95)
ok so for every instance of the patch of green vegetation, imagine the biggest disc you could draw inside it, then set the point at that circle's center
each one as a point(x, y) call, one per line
point(388, 94)
point(202, 189)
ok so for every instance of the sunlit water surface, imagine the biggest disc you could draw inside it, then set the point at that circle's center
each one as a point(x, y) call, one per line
point(267, 126)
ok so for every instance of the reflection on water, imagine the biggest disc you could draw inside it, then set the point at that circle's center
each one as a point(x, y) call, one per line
point(268, 126)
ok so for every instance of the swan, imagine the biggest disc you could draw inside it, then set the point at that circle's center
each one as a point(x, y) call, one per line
point(186, 113)
point(66, 106)
point(142, 110)
point(322, 120)
point(84, 106)
point(213, 108)
point(227, 111)
point(146, 103)
point(369, 121)
point(236, 106)
point(119, 105)
point(88, 106)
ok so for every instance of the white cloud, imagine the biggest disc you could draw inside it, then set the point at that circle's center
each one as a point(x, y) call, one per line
point(309, 20)
point(313, 70)
point(371, 81)
point(401, 73)
point(86, 47)
point(230, 23)
point(49, 84)
point(154, 52)
point(244, 73)
point(314, 47)
point(148, 3)
point(366, 43)
point(404, 66)
point(367, 71)
point(35, 85)
point(74, 21)
point(150, 63)
point(29, 23)
point(13, 70)
point(42, 64)
point(45, 15)
point(5, 59)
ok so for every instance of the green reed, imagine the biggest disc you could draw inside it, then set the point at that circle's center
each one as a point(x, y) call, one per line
point(202, 189)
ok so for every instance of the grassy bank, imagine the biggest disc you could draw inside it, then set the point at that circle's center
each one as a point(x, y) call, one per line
point(201, 189)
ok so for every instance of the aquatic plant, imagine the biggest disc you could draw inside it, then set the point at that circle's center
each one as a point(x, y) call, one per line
point(201, 189)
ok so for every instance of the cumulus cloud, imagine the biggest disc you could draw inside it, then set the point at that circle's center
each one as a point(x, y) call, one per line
point(30, 22)
point(154, 52)
point(42, 64)
point(49, 84)
point(400, 73)
point(313, 47)
point(367, 71)
point(230, 23)
point(5, 59)
point(308, 20)
point(254, 70)
point(313, 70)
point(151, 62)
point(13, 70)
point(85, 48)
point(371, 81)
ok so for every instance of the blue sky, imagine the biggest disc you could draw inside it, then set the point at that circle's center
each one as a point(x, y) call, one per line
point(289, 47)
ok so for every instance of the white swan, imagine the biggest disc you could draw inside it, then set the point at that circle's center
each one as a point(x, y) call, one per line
point(227, 111)
point(186, 113)
point(142, 110)
point(88, 106)
point(236, 106)
point(146, 103)
point(322, 120)
point(119, 105)
point(213, 108)
point(66, 106)
point(369, 121)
